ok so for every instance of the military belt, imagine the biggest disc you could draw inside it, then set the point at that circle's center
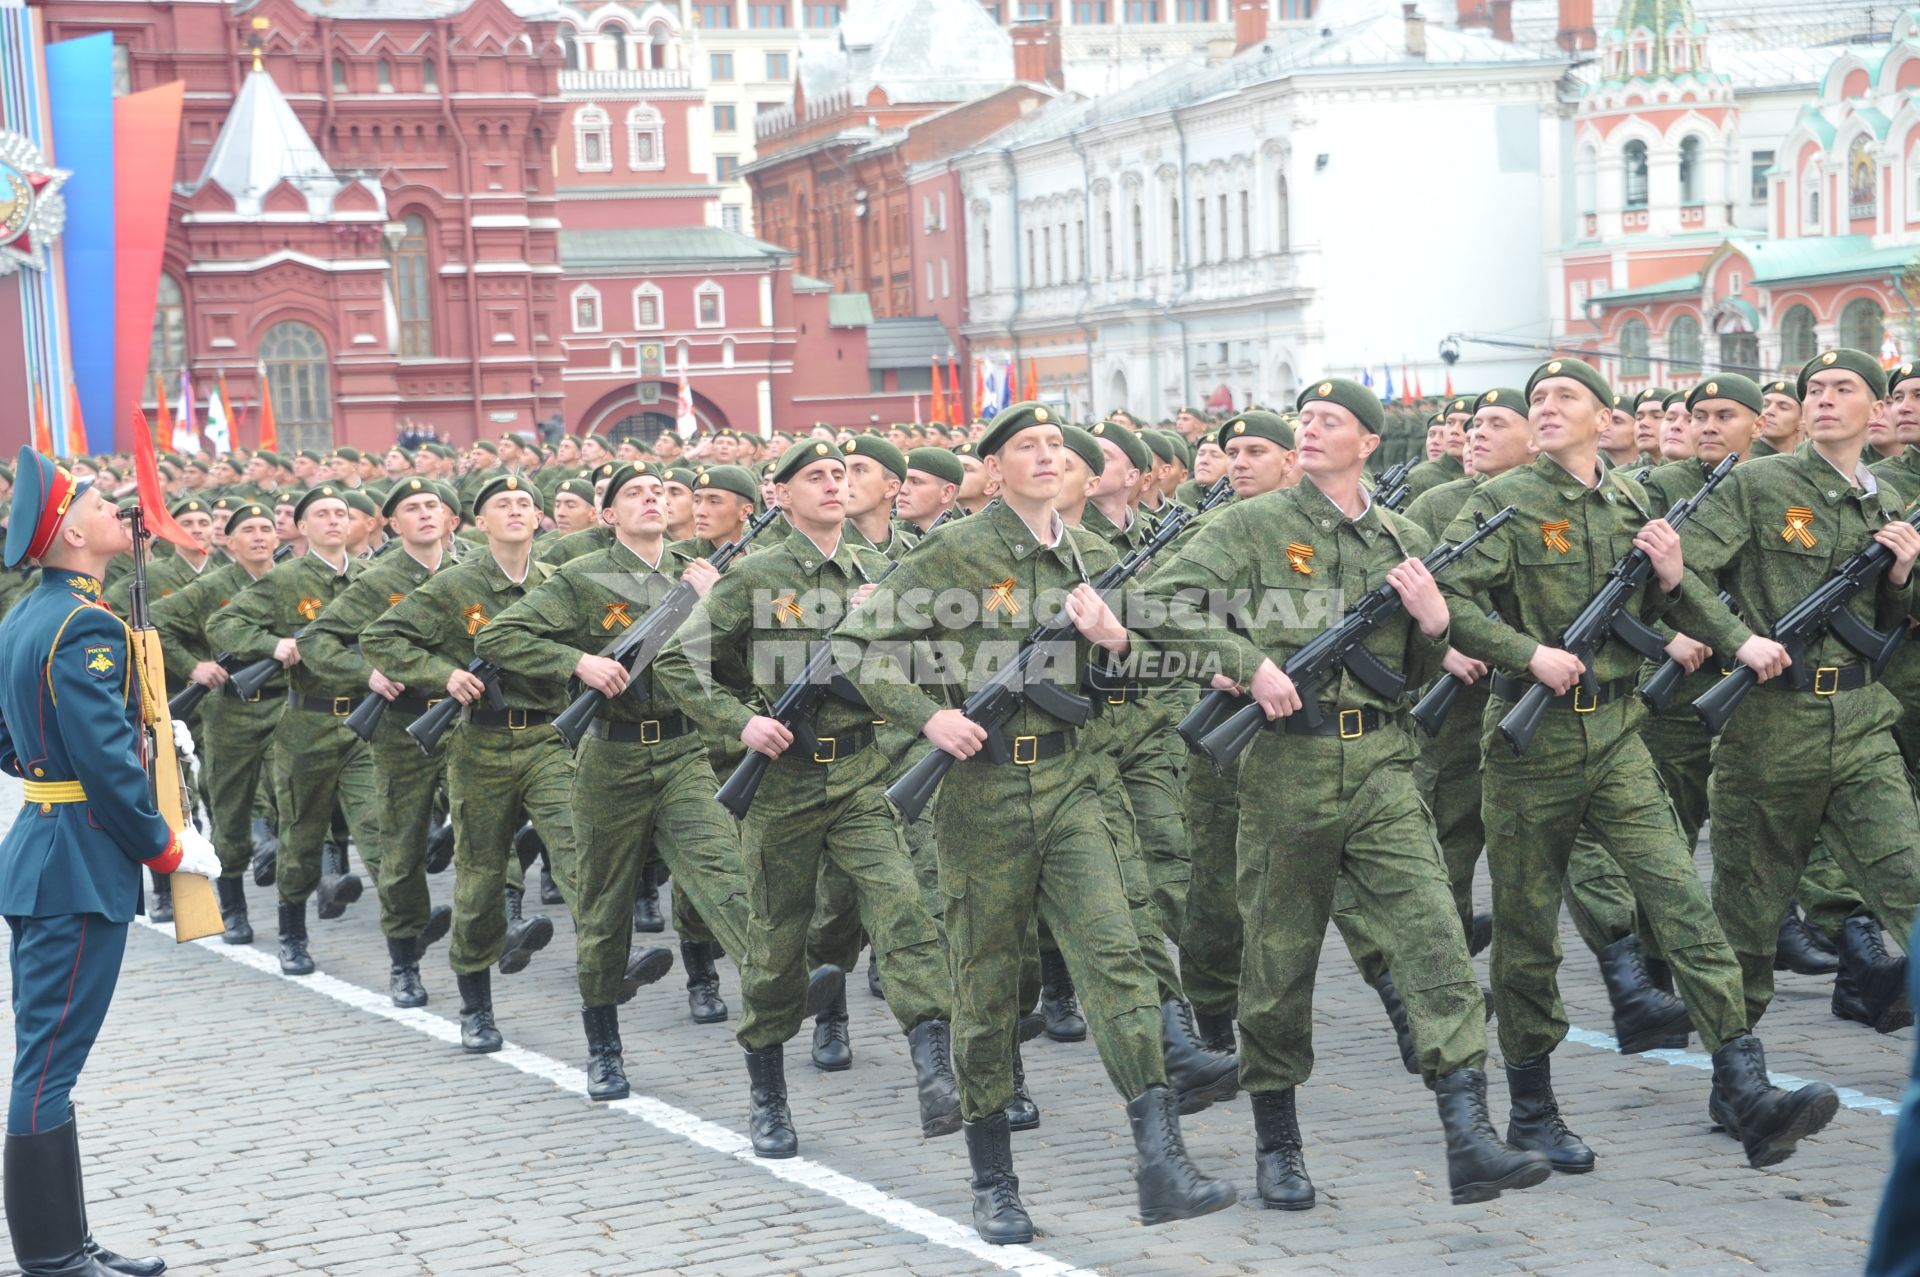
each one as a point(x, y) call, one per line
point(1114, 697)
point(651, 731)
point(413, 706)
point(1347, 724)
point(514, 720)
point(337, 706)
point(1577, 699)
point(1028, 750)
point(836, 749)
point(1828, 680)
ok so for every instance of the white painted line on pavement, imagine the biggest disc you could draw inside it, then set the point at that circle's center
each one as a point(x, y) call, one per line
point(893, 1211)
point(1695, 1060)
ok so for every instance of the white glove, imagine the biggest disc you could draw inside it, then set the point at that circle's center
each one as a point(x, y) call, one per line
point(183, 740)
point(197, 855)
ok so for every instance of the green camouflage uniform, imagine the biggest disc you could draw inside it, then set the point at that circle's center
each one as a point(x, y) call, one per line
point(1429, 475)
point(1588, 768)
point(494, 771)
point(564, 549)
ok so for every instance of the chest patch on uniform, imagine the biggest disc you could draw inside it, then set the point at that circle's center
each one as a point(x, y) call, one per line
point(1000, 598)
point(476, 617)
point(1799, 525)
point(616, 613)
point(1554, 534)
point(309, 608)
point(786, 610)
point(99, 661)
point(393, 599)
point(1300, 558)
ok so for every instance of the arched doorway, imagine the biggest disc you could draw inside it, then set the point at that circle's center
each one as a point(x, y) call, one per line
point(1116, 392)
point(643, 408)
point(296, 361)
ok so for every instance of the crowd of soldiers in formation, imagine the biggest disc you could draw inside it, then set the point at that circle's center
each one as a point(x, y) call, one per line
point(1090, 868)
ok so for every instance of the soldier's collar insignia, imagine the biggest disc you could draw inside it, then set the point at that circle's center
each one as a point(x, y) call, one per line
point(99, 661)
point(91, 584)
point(1299, 558)
point(616, 612)
point(786, 611)
point(310, 608)
point(1000, 598)
point(476, 617)
point(1554, 535)
point(1799, 521)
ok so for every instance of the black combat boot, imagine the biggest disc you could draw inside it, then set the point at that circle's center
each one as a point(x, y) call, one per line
point(646, 905)
point(266, 851)
point(1279, 1160)
point(161, 907)
point(440, 847)
point(125, 1265)
point(1644, 1018)
point(1216, 1031)
point(703, 982)
point(998, 1216)
point(525, 936)
point(606, 1070)
point(1802, 949)
point(403, 979)
point(1171, 1187)
point(1479, 934)
point(294, 958)
point(1397, 1014)
point(233, 910)
point(1768, 1120)
point(874, 988)
point(1057, 1003)
point(929, 1044)
point(826, 985)
point(768, 1120)
point(45, 1214)
point(338, 887)
point(1846, 1002)
point(644, 967)
point(1198, 1077)
point(478, 1033)
point(1022, 1113)
point(439, 922)
point(1479, 1166)
point(1534, 1122)
point(1878, 979)
point(832, 1048)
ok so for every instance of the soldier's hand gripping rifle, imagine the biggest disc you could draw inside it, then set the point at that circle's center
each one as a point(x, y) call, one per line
point(188, 698)
point(796, 709)
point(1606, 617)
point(641, 642)
point(250, 678)
point(1660, 686)
point(366, 716)
point(993, 702)
point(429, 727)
point(1431, 710)
point(1321, 658)
point(1824, 609)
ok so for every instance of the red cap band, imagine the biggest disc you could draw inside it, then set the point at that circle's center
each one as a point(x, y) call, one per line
point(53, 508)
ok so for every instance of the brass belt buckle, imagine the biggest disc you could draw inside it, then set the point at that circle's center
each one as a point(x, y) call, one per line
point(1831, 685)
point(1116, 698)
point(654, 739)
point(1589, 704)
point(521, 716)
point(1359, 724)
point(1033, 750)
point(342, 706)
point(826, 749)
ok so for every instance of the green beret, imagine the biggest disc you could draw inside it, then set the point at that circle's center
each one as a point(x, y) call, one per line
point(1084, 446)
point(602, 471)
point(1139, 456)
point(487, 445)
point(682, 475)
point(251, 510)
point(312, 454)
point(203, 466)
point(1900, 373)
point(882, 450)
point(286, 496)
point(1652, 394)
point(320, 492)
point(1182, 449)
point(1201, 413)
point(1584, 373)
point(575, 487)
point(735, 479)
point(448, 497)
point(192, 505)
point(271, 458)
point(1162, 447)
point(1727, 385)
point(502, 483)
point(1437, 419)
point(625, 474)
point(965, 448)
point(1356, 399)
point(348, 454)
point(1010, 421)
point(1785, 386)
point(938, 462)
point(802, 455)
point(1459, 403)
point(1257, 422)
point(357, 499)
point(402, 490)
point(1854, 361)
point(1620, 403)
point(1674, 397)
point(1501, 397)
point(445, 451)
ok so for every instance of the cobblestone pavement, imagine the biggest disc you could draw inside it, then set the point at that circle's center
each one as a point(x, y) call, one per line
point(244, 1124)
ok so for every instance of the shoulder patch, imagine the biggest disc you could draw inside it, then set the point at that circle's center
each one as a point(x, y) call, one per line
point(99, 660)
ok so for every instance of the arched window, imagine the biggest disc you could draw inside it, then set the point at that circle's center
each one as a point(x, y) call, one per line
point(1633, 349)
point(1139, 240)
point(1106, 239)
point(339, 75)
point(1683, 344)
point(296, 363)
point(1282, 217)
point(1863, 179)
point(659, 47)
point(1690, 171)
point(709, 306)
point(1863, 325)
point(586, 309)
point(616, 35)
point(649, 308)
point(592, 141)
point(570, 50)
point(1634, 170)
point(168, 353)
point(412, 289)
point(383, 75)
point(1797, 344)
point(429, 76)
point(646, 135)
point(1810, 203)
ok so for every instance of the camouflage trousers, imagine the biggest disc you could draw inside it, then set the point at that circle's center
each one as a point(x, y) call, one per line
point(493, 775)
point(405, 779)
point(236, 744)
point(631, 801)
point(1106, 740)
point(324, 763)
point(1210, 941)
point(1152, 767)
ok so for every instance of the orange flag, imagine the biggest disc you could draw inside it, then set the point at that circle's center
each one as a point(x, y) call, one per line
point(957, 401)
point(153, 496)
point(1033, 382)
point(163, 423)
point(269, 430)
point(76, 427)
point(42, 433)
point(939, 395)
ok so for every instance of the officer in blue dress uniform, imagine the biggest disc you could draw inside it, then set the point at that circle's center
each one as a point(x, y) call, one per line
point(70, 866)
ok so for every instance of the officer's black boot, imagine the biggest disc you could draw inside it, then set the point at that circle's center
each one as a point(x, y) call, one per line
point(1170, 1185)
point(1878, 978)
point(1846, 999)
point(1797, 950)
point(1660, 976)
point(1644, 1018)
point(768, 1120)
point(703, 982)
point(1479, 1166)
point(1198, 1077)
point(129, 1267)
point(1022, 1113)
point(439, 922)
point(930, 1045)
point(1397, 1014)
point(403, 979)
point(161, 907)
point(525, 936)
point(440, 847)
point(294, 958)
point(233, 910)
point(646, 905)
point(338, 888)
point(1479, 933)
point(832, 1048)
point(998, 1216)
point(478, 1033)
point(874, 988)
point(1057, 1003)
point(1279, 1160)
point(266, 851)
point(606, 1070)
point(826, 985)
point(1216, 1031)
point(45, 1214)
point(549, 889)
point(1768, 1120)
point(644, 967)
point(1533, 1118)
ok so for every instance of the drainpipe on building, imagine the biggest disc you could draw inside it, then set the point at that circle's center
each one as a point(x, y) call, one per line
point(1086, 272)
point(1019, 276)
point(1186, 263)
point(469, 247)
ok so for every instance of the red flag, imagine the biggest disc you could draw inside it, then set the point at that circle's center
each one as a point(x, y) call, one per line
point(957, 402)
point(979, 385)
point(1406, 386)
point(76, 427)
point(939, 396)
point(269, 430)
point(146, 473)
point(163, 422)
point(1033, 382)
point(1417, 392)
point(1449, 383)
point(42, 433)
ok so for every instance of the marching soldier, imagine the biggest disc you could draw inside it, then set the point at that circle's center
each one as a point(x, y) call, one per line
point(1779, 419)
point(934, 476)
